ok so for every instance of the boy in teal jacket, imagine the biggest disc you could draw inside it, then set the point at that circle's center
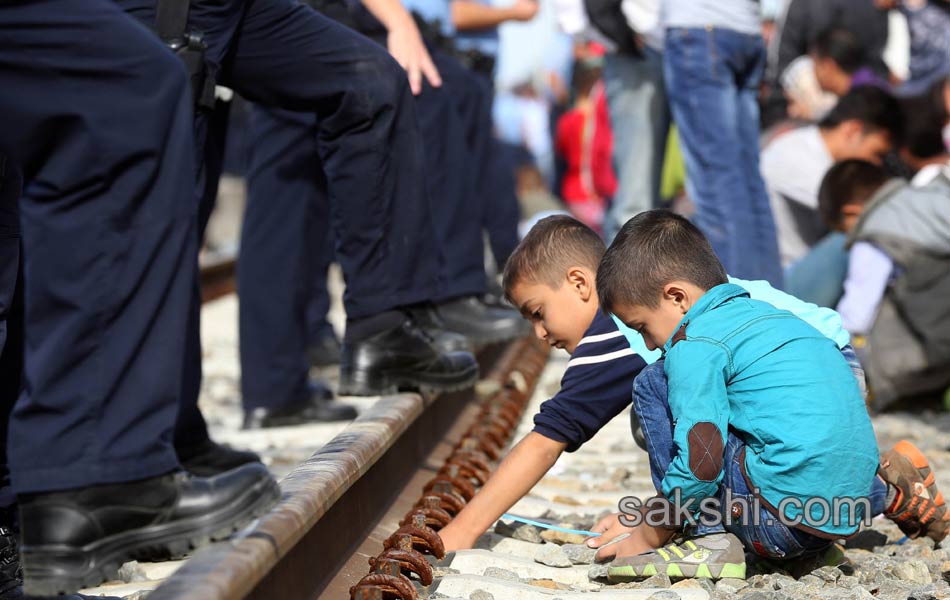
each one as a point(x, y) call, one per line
point(757, 432)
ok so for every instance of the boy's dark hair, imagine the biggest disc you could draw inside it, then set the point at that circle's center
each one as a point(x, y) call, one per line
point(552, 246)
point(871, 105)
point(848, 182)
point(651, 250)
point(841, 46)
point(924, 117)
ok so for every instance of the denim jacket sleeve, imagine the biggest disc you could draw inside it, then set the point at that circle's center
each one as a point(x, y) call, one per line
point(697, 371)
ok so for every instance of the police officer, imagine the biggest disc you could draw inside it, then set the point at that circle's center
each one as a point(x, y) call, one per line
point(281, 54)
point(477, 44)
point(281, 244)
point(100, 127)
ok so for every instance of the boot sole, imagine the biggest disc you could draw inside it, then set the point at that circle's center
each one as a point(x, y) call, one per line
point(365, 383)
point(56, 569)
point(713, 571)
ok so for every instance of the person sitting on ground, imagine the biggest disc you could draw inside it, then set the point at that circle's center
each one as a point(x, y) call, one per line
point(551, 278)
point(846, 187)
point(866, 123)
point(841, 62)
point(749, 402)
point(899, 268)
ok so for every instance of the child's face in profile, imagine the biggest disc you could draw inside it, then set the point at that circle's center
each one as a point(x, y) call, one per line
point(560, 316)
point(656, 325)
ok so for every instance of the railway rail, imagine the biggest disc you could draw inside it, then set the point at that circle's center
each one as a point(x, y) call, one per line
point(377, 489)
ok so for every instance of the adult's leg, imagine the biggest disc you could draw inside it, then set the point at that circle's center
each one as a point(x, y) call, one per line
point(367, 139)
point(322, 341)
point(456, 210)
point(372, 156)
point(11, 313)
point(277, 265)
point(502, 212)
point(106, 241)
point(640, 119)
point(703, 97)
point(465, 101)
point(756, 247)
point(108, 225)
point(11, 365)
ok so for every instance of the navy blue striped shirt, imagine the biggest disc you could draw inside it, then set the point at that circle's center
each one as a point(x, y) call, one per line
point(596, 386)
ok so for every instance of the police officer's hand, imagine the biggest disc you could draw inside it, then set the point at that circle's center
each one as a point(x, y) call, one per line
point(406, 46)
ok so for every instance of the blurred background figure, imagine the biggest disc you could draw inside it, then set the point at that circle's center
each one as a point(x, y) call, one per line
point(584, 143)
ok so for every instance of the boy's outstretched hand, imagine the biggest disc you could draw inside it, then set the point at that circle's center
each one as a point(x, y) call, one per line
point(638, 540)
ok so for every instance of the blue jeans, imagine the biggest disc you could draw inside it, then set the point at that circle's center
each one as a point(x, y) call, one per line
point(640, 119)
point(766, 536)
point(712, 79)
point(819, 276)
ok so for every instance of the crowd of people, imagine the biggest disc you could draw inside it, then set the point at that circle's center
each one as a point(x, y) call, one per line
point(750, 118)
point(374, 140)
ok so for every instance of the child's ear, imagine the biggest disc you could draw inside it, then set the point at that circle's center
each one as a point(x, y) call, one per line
point(581, 281)
point(678, 296)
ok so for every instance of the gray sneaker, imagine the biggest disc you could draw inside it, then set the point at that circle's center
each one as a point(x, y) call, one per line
point(713, 556)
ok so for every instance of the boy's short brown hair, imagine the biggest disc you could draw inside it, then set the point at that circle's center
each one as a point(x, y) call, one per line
point(552, 246)
point(651, 250)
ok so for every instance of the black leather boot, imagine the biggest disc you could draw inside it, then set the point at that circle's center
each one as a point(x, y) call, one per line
point(325, 352)
point(79, 538)
point(11, 575)
point(427, 318)
point(403, 358)
point(320, 407)
point(481, 323)
point(209, 458)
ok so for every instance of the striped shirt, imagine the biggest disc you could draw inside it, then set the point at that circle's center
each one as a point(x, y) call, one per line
point(596, 386)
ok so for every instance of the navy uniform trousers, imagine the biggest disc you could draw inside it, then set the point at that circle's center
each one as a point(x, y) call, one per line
point(96, 113)
point(11, 311)
point(280, 54)
point(285, 235)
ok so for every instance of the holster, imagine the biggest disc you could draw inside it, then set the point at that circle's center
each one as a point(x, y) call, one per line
point(189, 46)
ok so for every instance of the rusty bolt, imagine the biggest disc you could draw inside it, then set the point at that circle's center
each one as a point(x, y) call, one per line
point(476, 458)
point(467, 470)
point(423, 539)
point(388, 585)
point(408, 560)
point(436, 518)
point(366, 593)
point(387, 566)
point(476, 445)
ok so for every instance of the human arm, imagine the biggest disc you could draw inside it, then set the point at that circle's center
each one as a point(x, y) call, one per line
point(524, 466)
point(471, 14)
point(696, 373)
point(608, 18)
point(869, 270)
point(404, 42)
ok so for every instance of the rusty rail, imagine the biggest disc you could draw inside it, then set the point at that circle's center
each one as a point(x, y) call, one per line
point(455, 483)
point(217, 277)
point(408, 455)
